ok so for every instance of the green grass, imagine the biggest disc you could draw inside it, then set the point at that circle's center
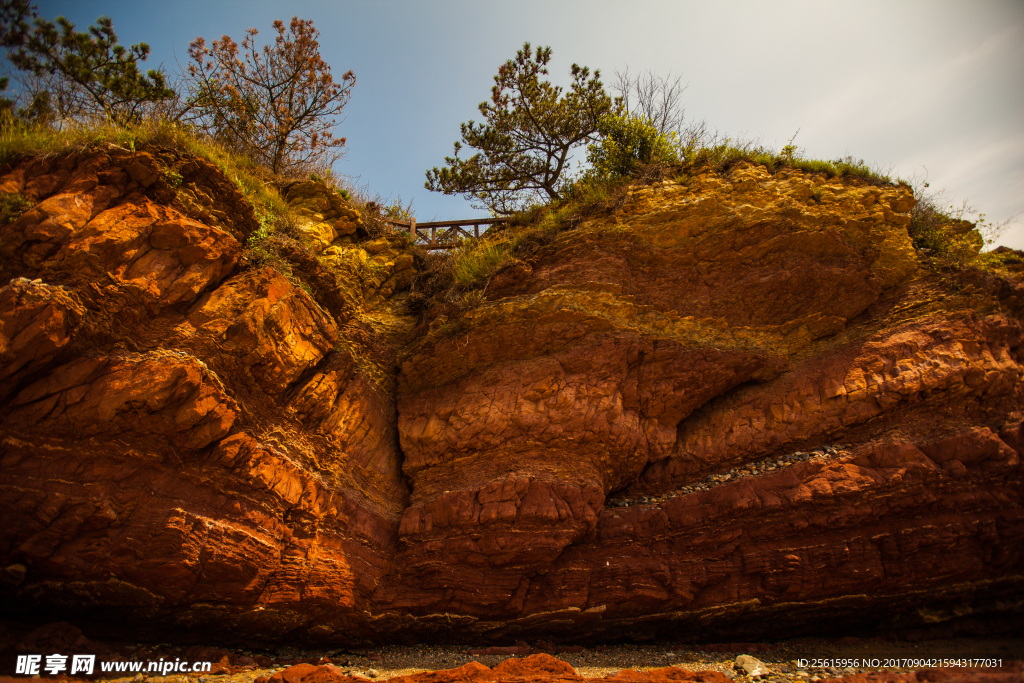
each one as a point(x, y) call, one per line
point(476, 262)
point(12, 205)
point(1005, 260)
point(843, 168)
point(20, 141)
point(721, 157)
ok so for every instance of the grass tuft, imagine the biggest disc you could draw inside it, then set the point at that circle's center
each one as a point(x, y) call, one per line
point(475, 263)
point(12, 205)
point(722, 156)
point(20, 141)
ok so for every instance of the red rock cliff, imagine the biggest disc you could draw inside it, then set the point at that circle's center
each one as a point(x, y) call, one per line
point(737, 406)
point(186, 443)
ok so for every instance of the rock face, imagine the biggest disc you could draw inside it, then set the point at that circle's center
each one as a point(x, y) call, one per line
point(323, 215)
point(597, 449)
point(184, 440)
point(736, 407)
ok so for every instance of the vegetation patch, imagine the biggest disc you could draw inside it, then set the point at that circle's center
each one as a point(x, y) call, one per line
point(950, 244)
point(12, 205)
point(20, 141)
point(722, 156)
point(226, 109)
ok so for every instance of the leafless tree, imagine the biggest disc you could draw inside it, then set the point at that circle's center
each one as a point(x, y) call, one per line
point(65, 101)
point(658, 99)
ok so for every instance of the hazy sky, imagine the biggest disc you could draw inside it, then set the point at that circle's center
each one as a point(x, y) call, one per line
point(927, 88)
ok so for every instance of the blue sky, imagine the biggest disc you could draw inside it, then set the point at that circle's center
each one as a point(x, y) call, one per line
point(929, 89)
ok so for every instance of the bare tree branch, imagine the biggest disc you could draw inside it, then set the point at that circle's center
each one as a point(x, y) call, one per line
point(657, 99)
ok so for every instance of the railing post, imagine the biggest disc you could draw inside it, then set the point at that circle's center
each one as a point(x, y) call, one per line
point(453, 231)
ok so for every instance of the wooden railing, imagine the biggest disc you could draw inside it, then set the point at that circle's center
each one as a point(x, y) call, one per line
point(445, 234)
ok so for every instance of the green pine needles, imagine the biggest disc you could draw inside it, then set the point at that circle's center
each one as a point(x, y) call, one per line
point(530, 129)
point(103, 75)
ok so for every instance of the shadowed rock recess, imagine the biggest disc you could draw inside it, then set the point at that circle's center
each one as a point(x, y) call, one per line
point(735, 407)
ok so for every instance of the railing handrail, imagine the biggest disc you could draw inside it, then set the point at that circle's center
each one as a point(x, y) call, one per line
point(433, 243)
point(464, 221)
point(439, 224)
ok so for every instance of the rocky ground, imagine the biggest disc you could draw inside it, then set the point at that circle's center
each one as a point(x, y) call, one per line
point(891, 658)
point(783, 659)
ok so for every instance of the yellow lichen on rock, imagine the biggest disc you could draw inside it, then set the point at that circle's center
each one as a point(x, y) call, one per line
point(323, 214)
point(864, 217)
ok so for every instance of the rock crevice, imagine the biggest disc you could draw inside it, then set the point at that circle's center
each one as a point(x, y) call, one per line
point(736, 406)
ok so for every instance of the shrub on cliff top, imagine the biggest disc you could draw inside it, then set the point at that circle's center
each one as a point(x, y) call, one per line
point(949, 241)
point(627, 143)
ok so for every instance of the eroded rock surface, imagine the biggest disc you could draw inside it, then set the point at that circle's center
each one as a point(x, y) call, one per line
point(186, 443)
point(555, 443)
point(612, 443)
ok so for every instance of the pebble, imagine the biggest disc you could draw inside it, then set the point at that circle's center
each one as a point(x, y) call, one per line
point(780, 659)
point(769, 464)
point(753, 666)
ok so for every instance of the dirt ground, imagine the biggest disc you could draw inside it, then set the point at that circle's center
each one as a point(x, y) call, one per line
point(794, 660)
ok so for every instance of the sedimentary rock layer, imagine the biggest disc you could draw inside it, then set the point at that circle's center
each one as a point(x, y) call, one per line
point(705, 327)
point(614, 441)
point(186, 442)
